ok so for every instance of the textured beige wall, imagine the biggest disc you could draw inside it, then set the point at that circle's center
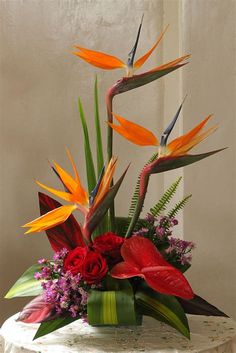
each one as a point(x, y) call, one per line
point(209, 34)
point(40, 83)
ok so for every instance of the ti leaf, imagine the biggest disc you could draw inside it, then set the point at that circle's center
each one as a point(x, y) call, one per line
point(26, 285)
point(49, 326)
point(163, 308)
point(91, 177)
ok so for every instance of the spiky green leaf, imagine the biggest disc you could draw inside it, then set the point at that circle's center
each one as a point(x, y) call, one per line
point(91, 177)
point(173, 212)
point(165, 199)
point(26, 285)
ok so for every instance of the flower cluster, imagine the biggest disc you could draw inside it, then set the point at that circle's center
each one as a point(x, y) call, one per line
point(67, 280)
point(159, 230)
point(66, 291)
point(180, 250)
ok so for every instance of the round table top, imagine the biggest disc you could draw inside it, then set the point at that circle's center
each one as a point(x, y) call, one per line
point(208, 334)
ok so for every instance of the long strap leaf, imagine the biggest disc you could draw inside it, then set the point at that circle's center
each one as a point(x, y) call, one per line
point(165, 199)
point(91, 177)
point(100, 159)
point(164, 308)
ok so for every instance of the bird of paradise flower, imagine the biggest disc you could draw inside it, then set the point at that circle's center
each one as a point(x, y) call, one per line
point(93, 206)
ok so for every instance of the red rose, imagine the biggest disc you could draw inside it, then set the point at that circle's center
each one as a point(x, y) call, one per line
point(94, 267)
point(75, 259)
point(109, 245)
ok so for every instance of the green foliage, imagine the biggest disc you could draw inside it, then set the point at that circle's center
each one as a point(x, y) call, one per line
point(49, 326)
point(26, 285)
point(99, 148)
point(107, 307)
point(173, 212)
point(91, 177)
point(135, 196)
point(162, 307)
point(165, 199)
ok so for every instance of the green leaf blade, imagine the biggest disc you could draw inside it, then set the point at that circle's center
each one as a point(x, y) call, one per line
point(164, 308)
point(100, 158)
point(26, 285)
point(49, 326)
point(113, 307)
point(91, 177)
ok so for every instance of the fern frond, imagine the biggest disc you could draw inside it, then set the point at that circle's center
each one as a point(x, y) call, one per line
point(135, 196)
point(173, 212)
point(165, 199)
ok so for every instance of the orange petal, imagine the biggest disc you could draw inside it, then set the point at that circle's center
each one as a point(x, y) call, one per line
point(171, 64)
point(98, 59)
point(195, 141)
point(63, 195)
point(66, 178)
point(80, 191)
point(134, 132)
point(106, 181)
point(50, 219)
point(189, 140)
point(142, 60)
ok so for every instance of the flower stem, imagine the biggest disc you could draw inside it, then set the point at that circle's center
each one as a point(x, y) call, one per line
point(144, 180)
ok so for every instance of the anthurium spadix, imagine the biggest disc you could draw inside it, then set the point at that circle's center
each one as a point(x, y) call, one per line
point(93, 208)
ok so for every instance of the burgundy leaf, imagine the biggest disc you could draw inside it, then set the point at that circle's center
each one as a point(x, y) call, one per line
point(37, 310)
point(66, 235)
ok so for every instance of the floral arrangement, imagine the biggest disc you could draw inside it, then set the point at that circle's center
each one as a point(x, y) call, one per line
point(111, 270)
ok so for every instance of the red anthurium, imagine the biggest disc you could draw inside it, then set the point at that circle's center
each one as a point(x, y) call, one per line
point(142, 259)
